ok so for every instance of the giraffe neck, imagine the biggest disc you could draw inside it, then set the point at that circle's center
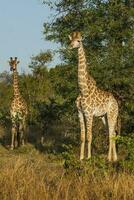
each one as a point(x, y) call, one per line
point(15, 83)
point(85, 81)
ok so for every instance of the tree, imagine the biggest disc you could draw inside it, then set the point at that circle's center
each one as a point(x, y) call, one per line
point(5, 98)
point(36, 86)
point(107, 27)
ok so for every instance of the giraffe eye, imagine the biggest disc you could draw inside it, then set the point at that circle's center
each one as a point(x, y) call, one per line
point(78, 41)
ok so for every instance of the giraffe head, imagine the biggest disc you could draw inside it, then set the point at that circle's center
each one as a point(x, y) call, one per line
point(75, 40)
point(13, 63)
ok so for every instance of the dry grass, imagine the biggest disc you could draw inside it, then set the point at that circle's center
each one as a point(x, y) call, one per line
point(30, 175)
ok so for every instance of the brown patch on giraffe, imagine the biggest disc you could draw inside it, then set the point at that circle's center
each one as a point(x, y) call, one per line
point(82, 73)
point(81, 62)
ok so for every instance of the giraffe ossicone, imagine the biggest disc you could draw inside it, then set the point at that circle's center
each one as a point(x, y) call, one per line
point(93, 102)
point(18, 109)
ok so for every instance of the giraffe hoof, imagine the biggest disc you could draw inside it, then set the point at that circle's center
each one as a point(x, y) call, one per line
point(11, 148)
point(89, 157)
point(109, 159)
point(115, 159)
point(81, 158)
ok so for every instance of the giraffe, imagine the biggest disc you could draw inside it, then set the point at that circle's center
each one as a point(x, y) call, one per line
point(91, 102)
point(18, 109)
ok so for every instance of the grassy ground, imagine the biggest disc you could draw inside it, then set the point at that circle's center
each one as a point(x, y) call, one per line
point(28, 174)
point(34, 172)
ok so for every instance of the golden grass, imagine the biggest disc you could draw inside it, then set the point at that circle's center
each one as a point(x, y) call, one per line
point(34, 176)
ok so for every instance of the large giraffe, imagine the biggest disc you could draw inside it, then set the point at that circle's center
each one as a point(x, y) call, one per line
point(18, 109)
point(93, 102)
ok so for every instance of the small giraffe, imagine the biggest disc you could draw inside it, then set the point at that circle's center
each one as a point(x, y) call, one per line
point(93, 102)
point(18, 109)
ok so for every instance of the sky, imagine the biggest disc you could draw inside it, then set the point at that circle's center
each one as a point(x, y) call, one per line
point(21, 32)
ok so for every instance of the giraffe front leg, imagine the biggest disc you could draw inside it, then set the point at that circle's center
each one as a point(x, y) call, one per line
point(89, 120)
point(13, 132)
point(82, 134)
point(82, 127)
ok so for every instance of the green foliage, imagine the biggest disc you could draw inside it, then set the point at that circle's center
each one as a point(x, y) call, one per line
point(127, 141)
point(127, 144)
point(64, 80)
point(71, 163)
point(5, 97)
point(50, 96)
point(40, 60)
point(107, 29)
point(97, 164)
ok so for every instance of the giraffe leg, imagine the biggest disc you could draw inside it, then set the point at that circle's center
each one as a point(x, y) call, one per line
point(89, 120)
point(82, 127)
point(21, 133)
point(24, 132)
point(112, 120)
point(13, 131)
point(42, 140)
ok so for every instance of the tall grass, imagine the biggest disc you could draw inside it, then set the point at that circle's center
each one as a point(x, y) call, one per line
point(35, 176)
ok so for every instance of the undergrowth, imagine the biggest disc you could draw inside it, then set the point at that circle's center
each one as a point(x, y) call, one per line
point(27, 174)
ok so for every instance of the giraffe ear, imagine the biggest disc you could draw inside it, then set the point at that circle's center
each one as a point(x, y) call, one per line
point(80, 37)
point(18, 62)
point(70, 37)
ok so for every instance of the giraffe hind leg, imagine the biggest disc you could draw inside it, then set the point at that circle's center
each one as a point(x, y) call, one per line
point(112, 120)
